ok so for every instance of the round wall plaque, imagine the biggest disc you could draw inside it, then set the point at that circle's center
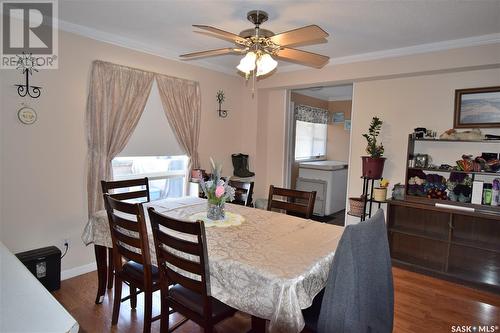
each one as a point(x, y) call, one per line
point(26, 115)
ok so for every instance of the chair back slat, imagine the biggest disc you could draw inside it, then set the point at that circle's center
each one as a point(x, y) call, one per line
point(295, 202)
point(107, 186)
point(174, 251)
point(126, 224)
point(289, 207)
point(130, 239)
point(179, 244)
point(187, 265)
point(130, 195)
point(244, 192)
point(191, 284)
point(129, 255)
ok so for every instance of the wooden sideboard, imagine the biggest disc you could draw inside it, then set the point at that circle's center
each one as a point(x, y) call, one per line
point(461, 246)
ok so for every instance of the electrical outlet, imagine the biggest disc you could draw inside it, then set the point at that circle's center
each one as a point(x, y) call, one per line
point(62, 244)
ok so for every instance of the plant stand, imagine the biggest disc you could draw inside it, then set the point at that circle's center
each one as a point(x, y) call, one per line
point(368, 185)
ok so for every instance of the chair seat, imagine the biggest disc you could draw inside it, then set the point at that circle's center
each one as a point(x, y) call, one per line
point(194, 302)
point(136, 271)
point(311, 314)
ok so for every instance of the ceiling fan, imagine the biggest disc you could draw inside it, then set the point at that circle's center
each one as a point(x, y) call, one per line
point(261, 46)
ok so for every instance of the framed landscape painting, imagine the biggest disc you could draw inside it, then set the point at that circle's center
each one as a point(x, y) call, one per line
point(477, 107)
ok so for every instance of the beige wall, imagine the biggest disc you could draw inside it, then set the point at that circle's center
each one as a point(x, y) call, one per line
point(337, 148)
point(397, 100)
point(403, 104)
point(43, 166)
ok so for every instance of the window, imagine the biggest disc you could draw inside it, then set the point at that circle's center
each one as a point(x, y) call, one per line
point(167, 174)
point(310, 140)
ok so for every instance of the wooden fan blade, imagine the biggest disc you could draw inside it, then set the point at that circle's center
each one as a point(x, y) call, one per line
point(302, 57)
point(300, 35)
point(223, 34)
point(209, 53)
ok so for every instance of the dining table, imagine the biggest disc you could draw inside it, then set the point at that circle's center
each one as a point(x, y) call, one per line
point(267, 264)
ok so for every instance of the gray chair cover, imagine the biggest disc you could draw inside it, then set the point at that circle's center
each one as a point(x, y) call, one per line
point(359, 295)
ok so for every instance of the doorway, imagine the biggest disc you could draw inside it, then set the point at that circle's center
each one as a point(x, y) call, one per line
point(318, 130)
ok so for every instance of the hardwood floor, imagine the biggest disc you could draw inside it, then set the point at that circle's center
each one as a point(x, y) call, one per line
point(422, 304)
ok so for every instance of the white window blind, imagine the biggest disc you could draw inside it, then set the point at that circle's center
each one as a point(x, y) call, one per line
point(153, 135)
point(310, 140)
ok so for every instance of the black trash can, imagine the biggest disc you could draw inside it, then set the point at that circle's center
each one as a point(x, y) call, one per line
point(45, 265)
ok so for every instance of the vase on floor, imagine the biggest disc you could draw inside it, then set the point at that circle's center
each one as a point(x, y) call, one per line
point(215, 211)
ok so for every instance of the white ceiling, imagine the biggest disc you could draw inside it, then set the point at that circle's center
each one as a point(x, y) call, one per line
point(355, 27)
point(333, 93)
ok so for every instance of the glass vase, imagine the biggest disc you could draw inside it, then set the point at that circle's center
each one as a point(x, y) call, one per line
point(215, 211)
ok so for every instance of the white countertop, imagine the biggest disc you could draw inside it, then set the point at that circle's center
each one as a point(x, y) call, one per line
point(324, 165)
point(25, 304)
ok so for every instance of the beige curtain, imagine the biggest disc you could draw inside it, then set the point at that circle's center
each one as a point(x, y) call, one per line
point(116, 100)
point(181, 102)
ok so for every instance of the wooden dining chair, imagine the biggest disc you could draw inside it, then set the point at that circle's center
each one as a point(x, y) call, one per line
point(295, 202)
point(181, 251)
point(131, 257)
point(113, 189)
point(243, 194)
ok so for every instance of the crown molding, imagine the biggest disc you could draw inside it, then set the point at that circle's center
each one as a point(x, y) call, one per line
point(407, 51)
point(171, 55)
point(135, 45)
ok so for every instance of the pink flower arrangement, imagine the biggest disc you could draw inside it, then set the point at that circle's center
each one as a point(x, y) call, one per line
point(219, 191)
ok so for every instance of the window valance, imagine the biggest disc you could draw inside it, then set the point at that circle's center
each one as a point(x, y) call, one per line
point(311, 114)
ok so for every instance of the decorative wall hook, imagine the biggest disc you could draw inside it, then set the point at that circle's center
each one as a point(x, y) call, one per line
point(220, 99)
point(26, 63)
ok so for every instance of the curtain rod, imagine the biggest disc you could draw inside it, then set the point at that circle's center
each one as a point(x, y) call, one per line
point(142, 70)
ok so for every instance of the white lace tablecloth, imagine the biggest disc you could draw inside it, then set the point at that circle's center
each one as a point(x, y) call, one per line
point(271, 266)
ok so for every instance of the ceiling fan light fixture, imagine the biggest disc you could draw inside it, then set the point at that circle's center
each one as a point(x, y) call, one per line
point(265, 64)
point(247, 63)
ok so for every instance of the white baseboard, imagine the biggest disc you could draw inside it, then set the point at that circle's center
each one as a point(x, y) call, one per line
point(79, 270)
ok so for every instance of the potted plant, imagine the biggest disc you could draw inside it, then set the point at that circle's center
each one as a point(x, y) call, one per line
point(373, 165)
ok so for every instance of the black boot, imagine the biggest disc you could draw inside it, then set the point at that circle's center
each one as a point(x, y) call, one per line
point(244, 167)
point(237, 162)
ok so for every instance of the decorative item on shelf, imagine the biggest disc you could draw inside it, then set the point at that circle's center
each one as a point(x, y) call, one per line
point(398, 192)
point(421, 160)
point(430, 134)
point(240, 165)
point(380, 192)
point(487, 193)
point(477, 107)
point(416, 186)
point(217, 192)
point(26, 63)
point(435, 187)
point(488, 162)
point(356, 206)
point(472, 135)
point(220, 98)
point(419, 132)
point(466, 163)
point(373, 165)
point(459, 187)
point(495, 193)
